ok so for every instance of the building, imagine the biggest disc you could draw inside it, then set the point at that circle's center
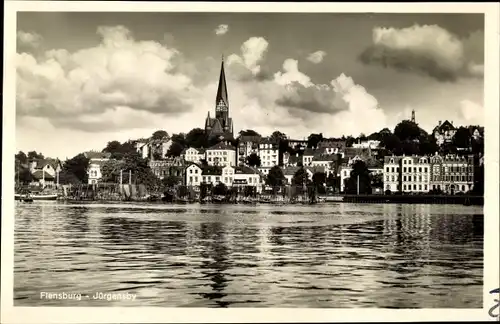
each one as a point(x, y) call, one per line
point(96, 161)
point(353, 154)
point(221, 154)
point(246, 176)
point(372, 144)
point(444, 132)
point(392, 173)
point(222, 124)
point(452, 173)
point(50, 167)
point(325, 161)
point(247, 146)
point(297, 144)
point(193, 175)
point(289, 173)
point(332, 147)
point(415, 174)
point(375, 167)
point(193, 154)
point(308, 156)
point(154, 148)
point(212, 175)
point(268, 154)
point(170, 167)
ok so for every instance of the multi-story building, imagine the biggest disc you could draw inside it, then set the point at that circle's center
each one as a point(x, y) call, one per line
point(152, 148)
point(96, 161)
point(373, 166)
point(308, 156)
point(392, 173)
point(246, 176)
point(221, 154)
point(247, 145)
point(415, 173)
point(297, 144)
point(173, 167)
point(193, 154)
point(325, 161)
point(372, 144)
point(332, 147)
point(212, 175)
point(194, 174)
point(444, 132)
point(269, 155)
point(452, 173)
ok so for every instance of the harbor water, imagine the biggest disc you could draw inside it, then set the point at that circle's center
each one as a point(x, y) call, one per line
point(335, 255)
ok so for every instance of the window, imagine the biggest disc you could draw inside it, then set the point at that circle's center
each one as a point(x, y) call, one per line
point(419, 169)
point(195, 179)
point(414, 187)
point(463, 187)
point(190, 179)
point(425, 187)
point(420, 178)
point(420, 187)
point(404, 169)
point(392, 169)
point(217, 178)
point(404, 161)
point(386, 178)
point(404, 178)
point(225, 179)
point(392, 178)
point(190, 171)
point(409, 178)
point(415, 169)
point(404, 187)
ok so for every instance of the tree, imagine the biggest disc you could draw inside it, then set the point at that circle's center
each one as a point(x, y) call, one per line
point(275, 177)
point(314, 139)
point(359, 173)
point(248, 132)
point(278, 136)
point(362, 137)
point(462, 138)
point(377, 180)
point(159, 134)
point(110, 170)
point(428, 145)
point(175, 149)
point(349, 140)
point(253, 160)
point(66, 177)
point(179, 138)
point(407, 130)
point(77, 166)
point(21, 157)
point(333, 182)
point(319, 181)
point(204, 163)
point(300, 177)
point(24, 175)
point(140, 170)
point(392, 143)
point(33, 155)
point(171, 181)
point(118, 150)
point(196, 138)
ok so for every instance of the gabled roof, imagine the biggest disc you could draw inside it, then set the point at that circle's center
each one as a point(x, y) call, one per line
point(39, 175)
point(445, 126)
point(221, 146)
point(331, 144)
point(246, 138)
point(43, 163)
point(351, 152)
point(212, 170)
point(189, 163)
point(396, 159)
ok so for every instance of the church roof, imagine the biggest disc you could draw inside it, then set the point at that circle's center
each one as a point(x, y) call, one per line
point(445, 126)
point(222, 90)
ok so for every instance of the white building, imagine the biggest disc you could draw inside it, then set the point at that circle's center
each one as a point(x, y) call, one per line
point(268, 153)
point(96, 161)
point(193, 155)
point(392, 176)
point(444, 132)
point(221, 154)
point(212, 175)
point(332, 147)
point(148, 148)
point(247, 146)
point(246, 176)
point(194, 175)
point(325, 161)
point(415, 174)
point(372, 144)
point(307, 157)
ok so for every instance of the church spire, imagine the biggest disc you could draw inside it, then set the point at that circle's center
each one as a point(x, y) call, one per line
point(222, 90)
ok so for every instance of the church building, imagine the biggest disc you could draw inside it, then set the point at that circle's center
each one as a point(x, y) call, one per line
point(222, 125)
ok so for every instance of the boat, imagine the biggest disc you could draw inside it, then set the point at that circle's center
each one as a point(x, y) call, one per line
point(31, 197)
point(218, 199)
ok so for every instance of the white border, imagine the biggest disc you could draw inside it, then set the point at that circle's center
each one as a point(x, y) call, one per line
point(208, 315)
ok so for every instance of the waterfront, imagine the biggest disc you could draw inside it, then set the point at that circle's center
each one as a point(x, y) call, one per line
point(329, 255)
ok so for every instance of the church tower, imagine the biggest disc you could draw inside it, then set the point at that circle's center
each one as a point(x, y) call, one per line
point(222, 124)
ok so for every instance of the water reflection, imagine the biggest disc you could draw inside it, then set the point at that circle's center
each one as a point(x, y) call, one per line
point(344, 255)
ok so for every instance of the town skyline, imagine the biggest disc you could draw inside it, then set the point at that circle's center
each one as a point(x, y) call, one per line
point(99, 86)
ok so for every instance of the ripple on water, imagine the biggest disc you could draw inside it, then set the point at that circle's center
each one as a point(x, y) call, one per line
point(341, 255)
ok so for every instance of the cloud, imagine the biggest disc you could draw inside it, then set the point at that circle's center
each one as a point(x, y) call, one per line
point(292, 74)
point(316, 57)
point(92, 85)
point(247, 64)
point(427, 49)
point(472, 112)
point(221, 29)
point(27, 40)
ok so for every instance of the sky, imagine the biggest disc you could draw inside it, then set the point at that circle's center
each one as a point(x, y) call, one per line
point(86, 78)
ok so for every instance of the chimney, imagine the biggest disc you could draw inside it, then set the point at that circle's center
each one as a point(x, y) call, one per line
point(439, 124)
